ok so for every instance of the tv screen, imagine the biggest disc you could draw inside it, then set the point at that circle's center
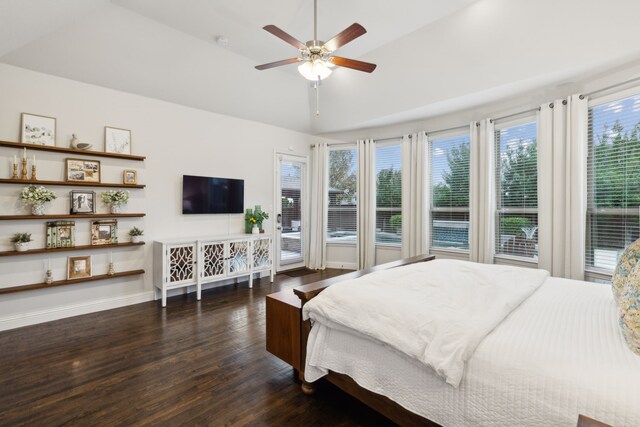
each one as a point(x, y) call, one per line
point(204, 195)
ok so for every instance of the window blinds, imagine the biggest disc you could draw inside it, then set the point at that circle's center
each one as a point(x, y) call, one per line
point(342, 197)
point(389, 194)
point(517, 190)
point(613, 181)
point(449, 185)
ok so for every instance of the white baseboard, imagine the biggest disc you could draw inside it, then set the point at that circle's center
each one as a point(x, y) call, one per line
point(342, 265)
point(32, 318)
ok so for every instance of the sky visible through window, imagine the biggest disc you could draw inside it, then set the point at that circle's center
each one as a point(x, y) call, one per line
point(627, 111)
point(440, 150)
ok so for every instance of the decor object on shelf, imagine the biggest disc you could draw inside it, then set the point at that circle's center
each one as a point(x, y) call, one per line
point(104, 232)
point(48, 279)
point(21, 241)
point(38, 130)
point(14, 173)
point(23, 171)
point(255, 216)
point(83, 202)
point(117, 140)
point(61, 234)
point(82, 170)
point(37, 197)
point(115, 199)
point(130, 177)
point(79, 267)
point(77, 145)
point(136, 234)
point(111, 270)
point(255, 229)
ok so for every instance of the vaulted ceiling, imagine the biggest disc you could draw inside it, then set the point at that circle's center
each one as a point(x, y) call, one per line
point(433, 56)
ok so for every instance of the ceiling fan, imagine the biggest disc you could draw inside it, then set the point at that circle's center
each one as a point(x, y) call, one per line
point(317, 56)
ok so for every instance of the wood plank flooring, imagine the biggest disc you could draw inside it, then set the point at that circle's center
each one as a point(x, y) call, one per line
point(193, 363)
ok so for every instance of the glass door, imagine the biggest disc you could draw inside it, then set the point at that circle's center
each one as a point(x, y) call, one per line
point(290, 218)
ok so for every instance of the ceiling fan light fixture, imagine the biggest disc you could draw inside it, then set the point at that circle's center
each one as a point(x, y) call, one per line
point(312, 70)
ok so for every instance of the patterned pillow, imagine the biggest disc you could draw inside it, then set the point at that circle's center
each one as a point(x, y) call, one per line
point(628, 261)
point(629, 308)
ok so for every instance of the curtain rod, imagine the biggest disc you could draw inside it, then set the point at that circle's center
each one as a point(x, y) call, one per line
point(515, 114)
point(604, 89)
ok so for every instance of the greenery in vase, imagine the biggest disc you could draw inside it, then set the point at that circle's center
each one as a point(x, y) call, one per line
point(21, 238)
point(256, 216)
point(37, 195)
point(115, 197)
point(135, 231)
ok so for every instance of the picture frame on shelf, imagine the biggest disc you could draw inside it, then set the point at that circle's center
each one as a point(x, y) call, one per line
point(61, 234)
point(37, 130)
point(117, 140)
point(82, 202)
point(79, 170)
point(129, 177)
point(104, 232)
point(79, 267)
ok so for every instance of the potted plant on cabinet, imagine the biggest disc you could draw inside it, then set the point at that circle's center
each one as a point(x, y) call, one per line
point(21, 241)
point(115, 199)
point(37, 197)
point(136, 235)
point(254, 219)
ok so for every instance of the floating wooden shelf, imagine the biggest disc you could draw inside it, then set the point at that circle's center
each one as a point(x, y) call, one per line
point(68, 183)
point(53, 216)
point(70, 151)
point(69, 282)
point(72, 248)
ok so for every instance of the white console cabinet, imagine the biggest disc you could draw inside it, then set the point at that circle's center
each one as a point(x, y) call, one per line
point(179, 263)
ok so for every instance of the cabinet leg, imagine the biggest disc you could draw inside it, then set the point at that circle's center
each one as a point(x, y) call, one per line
point(199, 292)
point(250, 280)
point(272, 275)
point(164, 297)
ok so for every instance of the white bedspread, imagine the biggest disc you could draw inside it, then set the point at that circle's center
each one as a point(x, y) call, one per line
point(557, 355)
point(436, 312)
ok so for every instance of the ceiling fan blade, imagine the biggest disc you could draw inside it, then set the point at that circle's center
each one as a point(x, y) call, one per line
point(284, 36)
point(351, 33)
point(277, 63)
point(367, 67)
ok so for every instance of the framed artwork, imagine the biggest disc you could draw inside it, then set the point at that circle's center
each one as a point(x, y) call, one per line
point(82, 170)
point(104, 232)
point(129, 176)
point(61, 234)
point(79, 267)
point(117, 140)
point(37, 130)
point(83, 202)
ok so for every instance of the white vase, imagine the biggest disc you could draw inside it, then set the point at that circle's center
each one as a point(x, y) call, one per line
point(115, 208)
point(21, 246)
point(136, 239)
point(38, 209)
point(255, 229)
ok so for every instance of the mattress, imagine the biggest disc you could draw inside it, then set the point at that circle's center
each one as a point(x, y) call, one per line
point(557, 355)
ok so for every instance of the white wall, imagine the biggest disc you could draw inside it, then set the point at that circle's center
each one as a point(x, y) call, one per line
point(176, 140)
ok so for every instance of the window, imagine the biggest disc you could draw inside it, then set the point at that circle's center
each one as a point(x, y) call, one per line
point(389, 194)
point(613, 181)
point(342, 206)
point(450, 192)
point(517, 191)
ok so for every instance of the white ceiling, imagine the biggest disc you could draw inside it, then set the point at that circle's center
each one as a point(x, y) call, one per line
point(433, 56)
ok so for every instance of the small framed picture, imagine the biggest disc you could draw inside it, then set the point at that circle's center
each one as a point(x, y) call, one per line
point(104, 232)
point(83, 202)
point(79, 267)
point(83, 170)
point(38, 130)
point(130, 177)
point(117, 140)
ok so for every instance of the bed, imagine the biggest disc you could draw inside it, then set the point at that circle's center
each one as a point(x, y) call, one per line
point(557, 354)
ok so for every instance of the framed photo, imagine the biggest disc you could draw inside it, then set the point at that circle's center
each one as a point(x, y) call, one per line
point(61, 234)
point(79, 267)
point(83, 170)
point(83, 202)
point(130, 177)
point(37, 130)
point(104, 232)
point(117, 140)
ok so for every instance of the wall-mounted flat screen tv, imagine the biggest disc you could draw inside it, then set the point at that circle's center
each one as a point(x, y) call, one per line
point(205, 195)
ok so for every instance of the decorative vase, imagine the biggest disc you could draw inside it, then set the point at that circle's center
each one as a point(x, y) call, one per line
point(255, 229)
point(115, 208)
point(38, 209)
point(136, 239)
point(21, 246)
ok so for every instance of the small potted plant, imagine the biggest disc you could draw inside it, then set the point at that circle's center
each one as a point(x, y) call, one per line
point(255, 218)
point(115, 199)
point(37, 197)
point(136, 235)
point(21, 241)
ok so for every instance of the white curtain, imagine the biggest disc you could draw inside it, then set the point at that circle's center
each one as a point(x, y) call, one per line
point(482, 192)
point(366, 223)
point(317, 249)
point(562, 192)
point(413, 196)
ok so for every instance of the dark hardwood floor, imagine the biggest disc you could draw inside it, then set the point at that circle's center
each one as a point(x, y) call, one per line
point(193, 363)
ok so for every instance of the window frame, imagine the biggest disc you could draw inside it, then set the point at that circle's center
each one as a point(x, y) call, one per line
point(329, 240)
